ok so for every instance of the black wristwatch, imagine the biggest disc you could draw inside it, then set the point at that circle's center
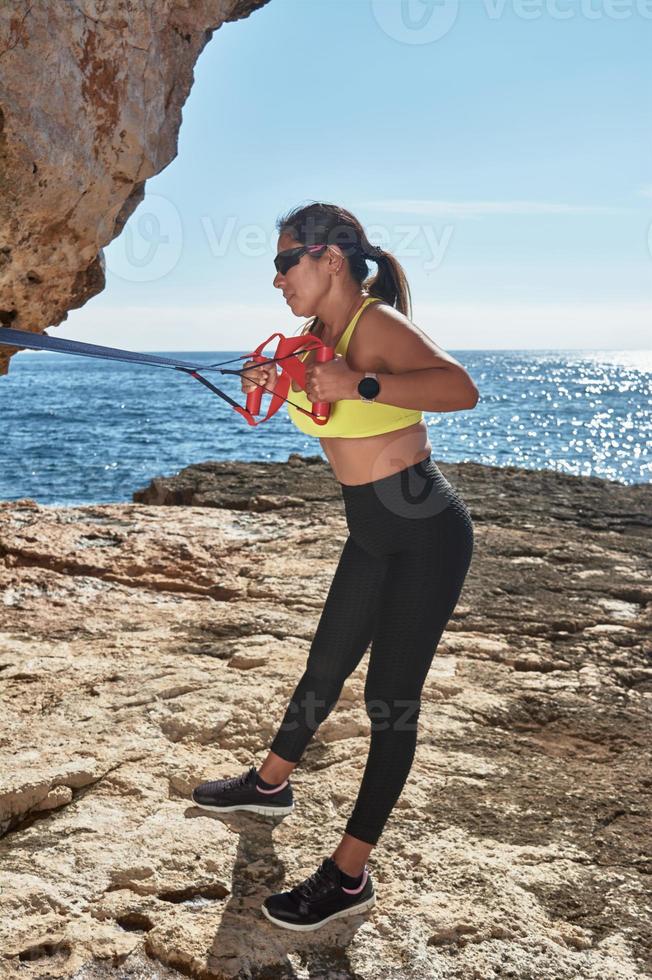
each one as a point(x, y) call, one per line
point(369, 387)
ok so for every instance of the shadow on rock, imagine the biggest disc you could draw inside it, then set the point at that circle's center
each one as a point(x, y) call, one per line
point(249, 945)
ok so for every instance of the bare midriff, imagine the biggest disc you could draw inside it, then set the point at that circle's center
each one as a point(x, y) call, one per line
point(355, 461)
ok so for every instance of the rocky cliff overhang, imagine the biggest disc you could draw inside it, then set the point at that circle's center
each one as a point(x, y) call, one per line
point(91, 93)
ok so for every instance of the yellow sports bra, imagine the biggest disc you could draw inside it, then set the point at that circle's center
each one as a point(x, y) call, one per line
point(351, 417)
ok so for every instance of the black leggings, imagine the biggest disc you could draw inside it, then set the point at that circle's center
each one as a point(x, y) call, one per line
point(396, 585)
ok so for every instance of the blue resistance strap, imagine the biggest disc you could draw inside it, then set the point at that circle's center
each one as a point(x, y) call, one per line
point(39, 341)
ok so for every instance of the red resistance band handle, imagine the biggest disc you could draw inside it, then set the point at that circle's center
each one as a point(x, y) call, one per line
point(255, 397)
point(323, 354)
point(292, 369)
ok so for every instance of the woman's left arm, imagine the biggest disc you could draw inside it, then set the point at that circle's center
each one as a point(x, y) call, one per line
point(416, 372)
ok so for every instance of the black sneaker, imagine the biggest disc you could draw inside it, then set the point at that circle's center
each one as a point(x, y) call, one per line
point(319, 899)
point(242, 793)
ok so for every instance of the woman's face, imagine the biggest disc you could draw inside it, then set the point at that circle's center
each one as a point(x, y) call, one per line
point(305, 282)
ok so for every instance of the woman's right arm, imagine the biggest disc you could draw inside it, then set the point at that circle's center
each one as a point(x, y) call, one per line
point(255, 376)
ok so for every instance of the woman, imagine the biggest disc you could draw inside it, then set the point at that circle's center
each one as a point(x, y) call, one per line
point(409, 546)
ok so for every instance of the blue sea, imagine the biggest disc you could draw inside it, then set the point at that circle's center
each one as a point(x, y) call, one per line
point(80, 430)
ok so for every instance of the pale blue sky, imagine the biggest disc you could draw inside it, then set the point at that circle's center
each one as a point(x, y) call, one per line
point(502, 150)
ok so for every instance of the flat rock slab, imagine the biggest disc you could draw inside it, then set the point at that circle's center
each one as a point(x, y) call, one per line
point(145, 647)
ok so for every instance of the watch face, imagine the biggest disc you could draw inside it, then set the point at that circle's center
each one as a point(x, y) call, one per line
point(369, 387)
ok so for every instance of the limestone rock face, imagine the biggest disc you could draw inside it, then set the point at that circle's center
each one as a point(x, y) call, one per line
point(91, 93)
point(145, 648)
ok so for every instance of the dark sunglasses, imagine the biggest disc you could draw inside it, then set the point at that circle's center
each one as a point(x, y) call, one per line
point(285, 260)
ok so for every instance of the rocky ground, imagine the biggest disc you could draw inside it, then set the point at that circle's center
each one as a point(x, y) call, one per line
point(145, 647)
